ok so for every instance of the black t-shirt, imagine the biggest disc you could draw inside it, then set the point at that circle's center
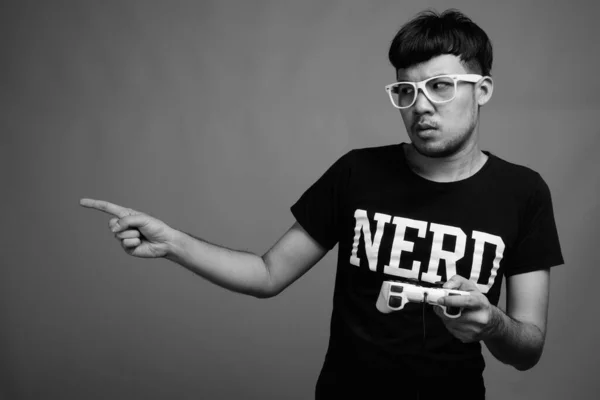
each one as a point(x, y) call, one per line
point(392, 224)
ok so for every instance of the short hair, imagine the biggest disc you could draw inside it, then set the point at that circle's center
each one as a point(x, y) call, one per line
point(431, 34)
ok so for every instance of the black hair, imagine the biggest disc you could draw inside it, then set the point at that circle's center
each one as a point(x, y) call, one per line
point(431, 34)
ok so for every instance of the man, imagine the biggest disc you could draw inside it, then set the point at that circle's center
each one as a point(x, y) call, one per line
point(436, 210)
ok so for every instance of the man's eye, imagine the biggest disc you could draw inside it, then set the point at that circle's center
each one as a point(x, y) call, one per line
point(441, 85)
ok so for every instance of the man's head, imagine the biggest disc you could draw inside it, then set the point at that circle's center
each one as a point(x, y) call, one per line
point(442, 44)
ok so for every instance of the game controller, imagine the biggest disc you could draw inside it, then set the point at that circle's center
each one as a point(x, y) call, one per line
point(394, 295)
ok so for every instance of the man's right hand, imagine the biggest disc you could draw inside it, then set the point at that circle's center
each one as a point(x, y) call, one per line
point(140, 234)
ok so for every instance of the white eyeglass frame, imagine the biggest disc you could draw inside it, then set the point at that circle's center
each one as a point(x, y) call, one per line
point(473, 78)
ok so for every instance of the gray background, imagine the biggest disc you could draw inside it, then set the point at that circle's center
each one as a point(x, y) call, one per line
point(215, 117)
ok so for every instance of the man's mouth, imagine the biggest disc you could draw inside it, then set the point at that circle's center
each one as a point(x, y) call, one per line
point(424, 127)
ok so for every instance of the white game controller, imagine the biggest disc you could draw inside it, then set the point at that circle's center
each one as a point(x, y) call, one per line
point(394, 296)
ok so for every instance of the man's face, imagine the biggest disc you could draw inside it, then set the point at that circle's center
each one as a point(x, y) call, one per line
point(441, 130)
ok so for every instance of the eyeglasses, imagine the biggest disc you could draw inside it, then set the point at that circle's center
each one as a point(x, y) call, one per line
point(438, 89)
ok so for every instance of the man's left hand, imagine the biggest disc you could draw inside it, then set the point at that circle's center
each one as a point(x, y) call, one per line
point(477, 321)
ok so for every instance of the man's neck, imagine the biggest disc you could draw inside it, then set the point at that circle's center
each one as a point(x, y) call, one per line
point(454, 168)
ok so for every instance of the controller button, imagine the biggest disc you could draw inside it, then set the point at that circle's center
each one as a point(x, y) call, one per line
point(395, 302)
point(452, 310)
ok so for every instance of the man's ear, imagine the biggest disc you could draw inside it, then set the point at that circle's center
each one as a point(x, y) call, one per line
point(484, 90)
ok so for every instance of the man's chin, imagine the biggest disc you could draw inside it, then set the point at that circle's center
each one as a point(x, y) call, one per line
point(433, 148)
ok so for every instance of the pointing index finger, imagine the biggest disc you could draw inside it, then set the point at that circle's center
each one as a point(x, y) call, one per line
point(106, 207)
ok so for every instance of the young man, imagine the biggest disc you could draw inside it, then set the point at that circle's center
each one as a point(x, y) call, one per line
point(436, 210)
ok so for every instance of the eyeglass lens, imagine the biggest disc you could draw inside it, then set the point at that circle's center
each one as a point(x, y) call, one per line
point(438, 90)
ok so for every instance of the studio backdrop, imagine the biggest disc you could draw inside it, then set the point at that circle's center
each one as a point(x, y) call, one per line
point(215, 116)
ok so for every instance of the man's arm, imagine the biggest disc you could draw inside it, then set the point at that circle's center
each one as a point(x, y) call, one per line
point(144, 236)
point(517, 337)
point(289, 258)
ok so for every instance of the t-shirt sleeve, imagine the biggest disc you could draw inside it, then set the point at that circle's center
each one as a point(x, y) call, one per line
point(319, 209)
point(538, 246)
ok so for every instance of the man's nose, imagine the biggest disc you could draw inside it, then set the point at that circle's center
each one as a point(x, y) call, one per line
point(422, 103)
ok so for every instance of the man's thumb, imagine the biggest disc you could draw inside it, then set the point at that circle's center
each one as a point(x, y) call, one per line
point(454, 282)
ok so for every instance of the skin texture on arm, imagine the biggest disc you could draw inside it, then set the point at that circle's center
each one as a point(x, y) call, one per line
point(239, 271)
point(289, 258)
point(521, 331)
point(515, 337)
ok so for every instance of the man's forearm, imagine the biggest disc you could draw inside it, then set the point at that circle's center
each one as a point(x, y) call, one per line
point(513, 342)
point(235, 270)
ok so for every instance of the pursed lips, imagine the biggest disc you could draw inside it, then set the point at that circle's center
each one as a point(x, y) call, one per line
point(424, 126)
